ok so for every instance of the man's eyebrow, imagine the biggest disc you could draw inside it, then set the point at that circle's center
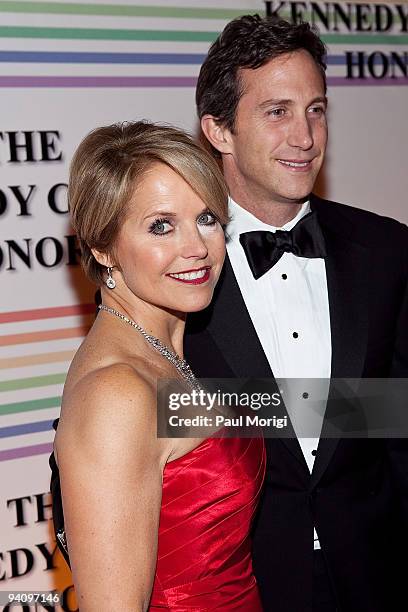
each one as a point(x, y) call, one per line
point(322, 99)
point(287, 102)
point(275, 102)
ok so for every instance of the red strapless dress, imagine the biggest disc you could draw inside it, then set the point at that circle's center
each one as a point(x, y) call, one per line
point(204, 553)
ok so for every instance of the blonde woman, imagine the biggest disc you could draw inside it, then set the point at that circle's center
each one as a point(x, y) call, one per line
point(148, 523)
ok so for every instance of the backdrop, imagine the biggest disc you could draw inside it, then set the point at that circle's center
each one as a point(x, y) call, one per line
point(66, 67)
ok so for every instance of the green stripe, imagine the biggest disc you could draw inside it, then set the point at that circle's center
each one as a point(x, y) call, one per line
point(39, 404)
point(176, 35)
point(105, 34)
point(31, 383)
point(121, 10)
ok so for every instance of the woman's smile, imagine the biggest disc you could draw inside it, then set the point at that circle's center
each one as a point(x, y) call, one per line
point(192, 277)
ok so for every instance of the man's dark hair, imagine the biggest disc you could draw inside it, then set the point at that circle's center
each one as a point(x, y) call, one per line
point(249, 41)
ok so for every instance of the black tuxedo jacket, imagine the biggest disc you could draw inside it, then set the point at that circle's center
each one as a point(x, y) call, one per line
point(358, 491)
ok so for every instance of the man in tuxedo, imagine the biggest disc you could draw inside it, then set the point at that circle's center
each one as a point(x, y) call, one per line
point(310, 289)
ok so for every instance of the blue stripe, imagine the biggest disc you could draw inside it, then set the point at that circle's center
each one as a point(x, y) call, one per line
point(68, 57)
point(335, 60)
point(340, 60)
point(25, 428)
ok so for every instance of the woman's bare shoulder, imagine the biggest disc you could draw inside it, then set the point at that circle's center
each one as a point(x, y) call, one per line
point(107, 408)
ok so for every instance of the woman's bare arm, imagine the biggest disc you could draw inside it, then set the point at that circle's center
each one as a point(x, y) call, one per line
point(111, 464)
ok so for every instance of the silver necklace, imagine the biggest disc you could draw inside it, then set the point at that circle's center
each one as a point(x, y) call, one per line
point(181, 365)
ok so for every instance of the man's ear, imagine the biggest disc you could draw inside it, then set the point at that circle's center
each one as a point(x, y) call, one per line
point(217, 134)
point(103, 258)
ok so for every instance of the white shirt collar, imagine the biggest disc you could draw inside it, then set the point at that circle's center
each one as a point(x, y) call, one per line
point(244, 221)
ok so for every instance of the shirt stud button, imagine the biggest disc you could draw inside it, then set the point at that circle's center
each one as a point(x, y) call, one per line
point(305, 395)
point(314, 453)
point(284, 276)
point(295, 335)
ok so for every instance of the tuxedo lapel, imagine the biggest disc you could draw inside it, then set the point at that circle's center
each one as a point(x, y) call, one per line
point(347, 270)
point(233, 332)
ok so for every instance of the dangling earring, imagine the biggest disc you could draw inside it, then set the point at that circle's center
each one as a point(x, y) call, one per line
point(110, 281)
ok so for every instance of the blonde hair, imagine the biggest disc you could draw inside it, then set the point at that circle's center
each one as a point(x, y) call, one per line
point(107, 167)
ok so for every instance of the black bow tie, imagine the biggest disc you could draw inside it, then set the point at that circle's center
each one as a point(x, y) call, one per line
point(264, 249)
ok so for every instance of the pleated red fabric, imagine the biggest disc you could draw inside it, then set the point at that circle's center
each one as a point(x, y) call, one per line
point(209, 499)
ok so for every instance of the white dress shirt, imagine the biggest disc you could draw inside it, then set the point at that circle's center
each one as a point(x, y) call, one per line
point(289, 309)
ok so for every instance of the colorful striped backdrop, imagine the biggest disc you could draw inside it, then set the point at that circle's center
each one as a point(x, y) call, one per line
point(70, 66)
point(67, 44)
